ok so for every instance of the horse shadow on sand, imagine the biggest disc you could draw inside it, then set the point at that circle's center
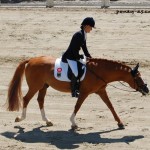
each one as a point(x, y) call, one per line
point(65, 139)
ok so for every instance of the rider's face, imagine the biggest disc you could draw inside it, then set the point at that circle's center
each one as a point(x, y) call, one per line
point(88, 29)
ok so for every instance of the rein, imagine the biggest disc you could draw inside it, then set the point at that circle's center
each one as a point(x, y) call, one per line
point(112, 85)
point(120, 88)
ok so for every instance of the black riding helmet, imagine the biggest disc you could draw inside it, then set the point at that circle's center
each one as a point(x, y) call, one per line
point(88, 21)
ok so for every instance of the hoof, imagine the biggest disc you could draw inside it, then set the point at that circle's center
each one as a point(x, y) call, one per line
point(74, 127)
point(121, 126)
point(17, 119)
point(49, 124)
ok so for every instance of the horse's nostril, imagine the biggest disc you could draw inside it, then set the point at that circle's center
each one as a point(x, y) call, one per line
point(147, 90)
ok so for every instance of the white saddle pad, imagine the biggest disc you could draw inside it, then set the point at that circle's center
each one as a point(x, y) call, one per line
point(61, 70)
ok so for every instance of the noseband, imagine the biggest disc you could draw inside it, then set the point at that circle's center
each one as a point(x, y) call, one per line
point(137, 81)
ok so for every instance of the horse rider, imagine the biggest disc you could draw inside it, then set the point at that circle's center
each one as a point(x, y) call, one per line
point(71, 55)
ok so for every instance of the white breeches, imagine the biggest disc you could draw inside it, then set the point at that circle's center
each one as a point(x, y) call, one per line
point(73, 66)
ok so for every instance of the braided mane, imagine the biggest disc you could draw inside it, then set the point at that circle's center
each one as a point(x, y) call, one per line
point(110, 64)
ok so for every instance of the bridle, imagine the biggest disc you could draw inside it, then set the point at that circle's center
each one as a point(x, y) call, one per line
point(124, 86)
point(141, 86)
point(136, 82)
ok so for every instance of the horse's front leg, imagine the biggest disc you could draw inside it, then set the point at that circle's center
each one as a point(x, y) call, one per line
point(103, 94)
point(82, 97)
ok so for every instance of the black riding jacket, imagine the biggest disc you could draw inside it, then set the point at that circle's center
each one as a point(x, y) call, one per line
point(78, 41)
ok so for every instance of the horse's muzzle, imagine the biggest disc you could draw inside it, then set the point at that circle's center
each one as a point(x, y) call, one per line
point(144, 90)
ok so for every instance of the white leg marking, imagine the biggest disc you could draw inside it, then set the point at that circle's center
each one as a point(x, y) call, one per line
point(23, 116)
point(72, 119)
point(44, 118)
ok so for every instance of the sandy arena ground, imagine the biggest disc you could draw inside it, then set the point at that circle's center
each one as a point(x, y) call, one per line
point(30, 32)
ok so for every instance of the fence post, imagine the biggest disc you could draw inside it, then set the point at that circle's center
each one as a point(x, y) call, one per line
point(105, 3)
point(49, 3)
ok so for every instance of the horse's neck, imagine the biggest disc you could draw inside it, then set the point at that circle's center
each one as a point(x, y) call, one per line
point(109, 70)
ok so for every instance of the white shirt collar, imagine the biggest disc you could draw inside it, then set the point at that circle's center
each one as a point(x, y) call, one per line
point(85, 35)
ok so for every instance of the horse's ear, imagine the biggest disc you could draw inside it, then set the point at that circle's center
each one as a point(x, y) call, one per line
point(135, 70)
point(136, 67)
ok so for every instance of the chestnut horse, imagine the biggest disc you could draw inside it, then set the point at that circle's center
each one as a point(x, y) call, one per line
point(39, 73)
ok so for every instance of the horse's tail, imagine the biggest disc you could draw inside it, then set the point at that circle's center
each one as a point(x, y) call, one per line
point(14, 97)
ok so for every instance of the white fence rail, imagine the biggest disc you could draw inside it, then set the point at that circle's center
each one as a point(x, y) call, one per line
point(94, 3)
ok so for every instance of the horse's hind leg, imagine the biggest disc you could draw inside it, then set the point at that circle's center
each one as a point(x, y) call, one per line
point(26, 100)
point(40, 100)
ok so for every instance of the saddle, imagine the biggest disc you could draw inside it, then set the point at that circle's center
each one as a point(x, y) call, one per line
point(63, 72)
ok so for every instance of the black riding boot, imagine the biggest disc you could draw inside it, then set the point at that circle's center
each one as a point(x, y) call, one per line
point(74, 86)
